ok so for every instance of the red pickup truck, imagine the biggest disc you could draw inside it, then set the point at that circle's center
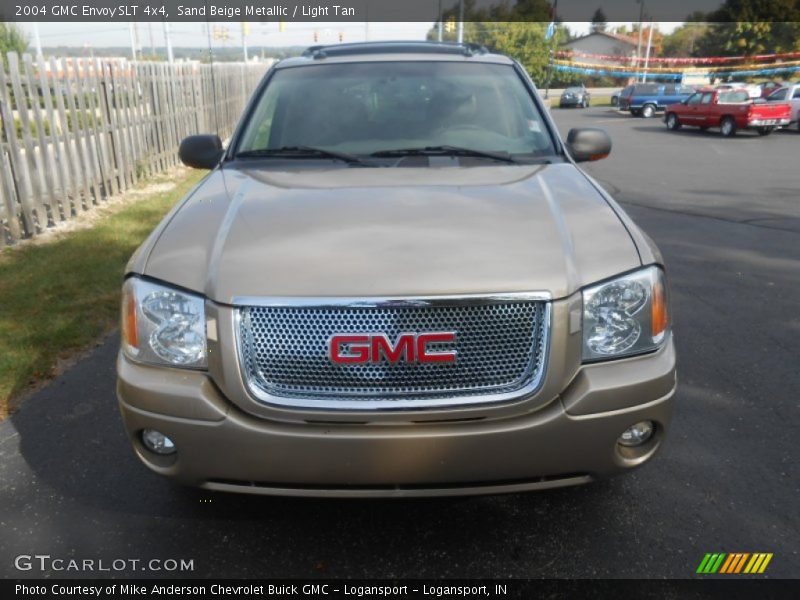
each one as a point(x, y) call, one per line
point(730, 110)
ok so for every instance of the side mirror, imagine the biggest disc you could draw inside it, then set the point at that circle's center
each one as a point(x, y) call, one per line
point(201, 151)
point(588, 143)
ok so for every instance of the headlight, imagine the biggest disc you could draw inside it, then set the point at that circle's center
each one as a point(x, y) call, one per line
point(162, 325)
point(625, 316)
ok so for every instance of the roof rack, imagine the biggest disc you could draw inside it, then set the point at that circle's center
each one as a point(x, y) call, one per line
point(412, 47)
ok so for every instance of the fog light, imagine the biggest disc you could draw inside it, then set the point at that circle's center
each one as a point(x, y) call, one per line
point(637, 434)
point(157, 442)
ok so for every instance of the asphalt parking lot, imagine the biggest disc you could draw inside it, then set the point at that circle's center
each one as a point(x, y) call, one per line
point(726, 214)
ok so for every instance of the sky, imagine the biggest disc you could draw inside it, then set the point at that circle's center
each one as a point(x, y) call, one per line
point(261, 34)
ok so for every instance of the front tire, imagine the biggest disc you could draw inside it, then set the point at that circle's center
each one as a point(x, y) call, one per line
point(648, 111)
point(728, 127)
point(673, 123)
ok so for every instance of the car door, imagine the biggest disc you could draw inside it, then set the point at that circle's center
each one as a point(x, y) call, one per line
point(795, 102)
point(689, 115)
point(706, 116)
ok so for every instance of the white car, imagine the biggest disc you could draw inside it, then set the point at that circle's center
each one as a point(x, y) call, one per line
point(790, 94)
point(753, 90)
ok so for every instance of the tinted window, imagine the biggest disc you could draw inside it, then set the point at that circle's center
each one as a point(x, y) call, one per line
point(694, 99)
point(646, 88)
point(796, 93)
point(779, 95)
point(361, 108)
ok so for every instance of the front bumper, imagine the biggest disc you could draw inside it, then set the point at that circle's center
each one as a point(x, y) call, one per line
point(570, 440)
point(570, 101)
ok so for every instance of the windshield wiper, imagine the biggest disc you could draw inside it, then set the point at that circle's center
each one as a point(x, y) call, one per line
point(302, 152)
point(444, 151)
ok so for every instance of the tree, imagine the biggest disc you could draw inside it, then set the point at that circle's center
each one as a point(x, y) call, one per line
point(749, 27)
point(12, 39)
point(598, 21)
point(682, 42)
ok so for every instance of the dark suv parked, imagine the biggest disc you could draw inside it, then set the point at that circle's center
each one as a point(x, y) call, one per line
point(645, 99)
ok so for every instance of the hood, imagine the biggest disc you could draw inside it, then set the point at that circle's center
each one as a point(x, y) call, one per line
point(392, 232)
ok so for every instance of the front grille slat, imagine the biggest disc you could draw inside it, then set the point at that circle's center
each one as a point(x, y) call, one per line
point(500, 350)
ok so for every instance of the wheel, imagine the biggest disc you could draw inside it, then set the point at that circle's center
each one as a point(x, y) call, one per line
point(703, 128)
point(765, 130)
point(672, 122)
point(648, 111)
point(728, 127)
point(614, 101)
point(636, 112)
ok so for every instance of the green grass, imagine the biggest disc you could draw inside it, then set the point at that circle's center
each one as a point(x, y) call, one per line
point(58, 297)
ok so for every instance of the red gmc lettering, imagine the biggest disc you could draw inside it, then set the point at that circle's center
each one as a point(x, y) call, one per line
point(409, 347)
point(358, 351)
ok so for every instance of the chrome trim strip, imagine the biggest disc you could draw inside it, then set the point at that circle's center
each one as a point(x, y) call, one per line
point(387, 404)
point(385, 301)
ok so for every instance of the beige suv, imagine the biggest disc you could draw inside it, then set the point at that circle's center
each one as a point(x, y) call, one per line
point(395, 281)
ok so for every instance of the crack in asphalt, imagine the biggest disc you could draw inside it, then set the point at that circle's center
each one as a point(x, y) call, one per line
point(748, 222)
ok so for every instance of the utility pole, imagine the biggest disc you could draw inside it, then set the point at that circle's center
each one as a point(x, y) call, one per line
point(168, 40)
point(639, 44)
point(245, 31)
point(37, 41)
point(553, 21)
point(133, 41)
point(460, 21)
point(440, 28)
point(647, 56)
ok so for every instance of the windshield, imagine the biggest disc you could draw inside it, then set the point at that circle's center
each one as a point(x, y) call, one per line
point(366, 108)
point(573, 90)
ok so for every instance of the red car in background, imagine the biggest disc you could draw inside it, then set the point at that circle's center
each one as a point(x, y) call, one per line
point(728, 109)
point(770, 86)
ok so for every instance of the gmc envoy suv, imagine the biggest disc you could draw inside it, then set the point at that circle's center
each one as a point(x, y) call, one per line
point(395, 281)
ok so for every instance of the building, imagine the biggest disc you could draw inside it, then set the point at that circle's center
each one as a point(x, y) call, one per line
point(602, 42)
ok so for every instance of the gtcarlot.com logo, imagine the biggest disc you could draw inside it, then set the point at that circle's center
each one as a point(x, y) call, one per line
point(734, 563)
point(46, 562)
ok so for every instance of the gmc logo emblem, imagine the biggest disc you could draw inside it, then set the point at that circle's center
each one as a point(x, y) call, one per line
point(349, 349)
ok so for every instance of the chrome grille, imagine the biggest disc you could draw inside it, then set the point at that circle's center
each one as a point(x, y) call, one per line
point(501, 346)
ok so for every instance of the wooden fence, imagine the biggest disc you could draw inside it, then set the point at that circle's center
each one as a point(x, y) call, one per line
point(76, 131)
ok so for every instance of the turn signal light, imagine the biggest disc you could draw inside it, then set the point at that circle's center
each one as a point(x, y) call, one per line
point(130, 335)
point(659, 313)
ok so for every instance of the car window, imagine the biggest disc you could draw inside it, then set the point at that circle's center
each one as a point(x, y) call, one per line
point(707, 98)
point(796, 93)
point(694, 99)
point(361, 108)
point(733, 97)
point(779, 95)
